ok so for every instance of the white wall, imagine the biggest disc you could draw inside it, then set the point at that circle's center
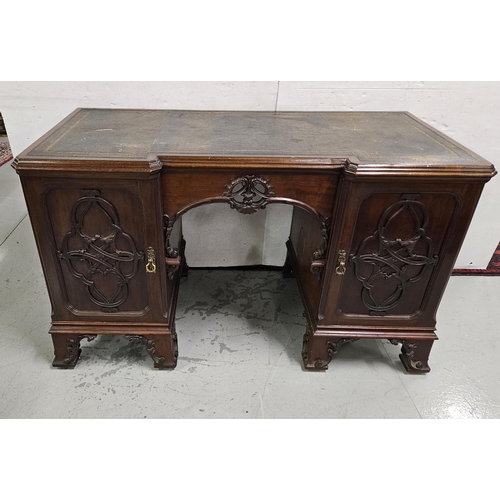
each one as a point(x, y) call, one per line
point(467, 111)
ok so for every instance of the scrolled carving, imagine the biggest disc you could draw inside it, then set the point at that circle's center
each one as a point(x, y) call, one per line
point(174, 341)
point(172, 260)
point(155, 164)
point(317, 267)
point(318, 258)
point(73, 348)
point(396, 259)
point(249, 193)
point(307, 336)
point(408, 351)
point(332, 349)
point(150, 347)
point(113, 255)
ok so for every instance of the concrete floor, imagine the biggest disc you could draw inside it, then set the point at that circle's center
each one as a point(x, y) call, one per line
point(240, 336)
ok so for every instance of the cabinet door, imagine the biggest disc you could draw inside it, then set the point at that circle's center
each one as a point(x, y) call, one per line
point(95, 239)
point(400, 242)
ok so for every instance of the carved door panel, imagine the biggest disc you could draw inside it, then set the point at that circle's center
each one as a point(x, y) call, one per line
point(101, 252)
point(106, 248)
point(393, 249)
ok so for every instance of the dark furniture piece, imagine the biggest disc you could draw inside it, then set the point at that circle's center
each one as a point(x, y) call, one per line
point(382, 203)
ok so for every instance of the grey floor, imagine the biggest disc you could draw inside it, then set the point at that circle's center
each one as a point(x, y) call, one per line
point(240, 336)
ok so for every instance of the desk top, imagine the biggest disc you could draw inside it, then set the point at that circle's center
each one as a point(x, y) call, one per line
point(372, 138)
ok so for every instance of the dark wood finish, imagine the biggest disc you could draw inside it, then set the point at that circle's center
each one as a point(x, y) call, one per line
point(382, 203)
point(414, 355)
point(316, 189)
point(67, 349)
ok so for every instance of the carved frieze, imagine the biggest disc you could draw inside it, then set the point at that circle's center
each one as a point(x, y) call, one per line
point(247, 194)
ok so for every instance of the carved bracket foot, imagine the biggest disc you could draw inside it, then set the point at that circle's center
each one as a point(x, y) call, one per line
point(67, 349)
point(415, 354)
point(162, 349)
point(318, 351)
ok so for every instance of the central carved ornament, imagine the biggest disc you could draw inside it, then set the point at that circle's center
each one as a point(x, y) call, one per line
point(248, 194)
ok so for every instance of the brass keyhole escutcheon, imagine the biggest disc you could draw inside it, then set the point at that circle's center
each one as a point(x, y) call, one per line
point(340, 269)
point(151, 263)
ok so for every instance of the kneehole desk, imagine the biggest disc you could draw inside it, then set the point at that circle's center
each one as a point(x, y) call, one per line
point(381, 205)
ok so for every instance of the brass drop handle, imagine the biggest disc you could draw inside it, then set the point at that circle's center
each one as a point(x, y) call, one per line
point(151, 263)
point(340, 269)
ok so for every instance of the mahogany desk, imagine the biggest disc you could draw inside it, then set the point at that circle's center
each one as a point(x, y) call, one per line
point(382, 203)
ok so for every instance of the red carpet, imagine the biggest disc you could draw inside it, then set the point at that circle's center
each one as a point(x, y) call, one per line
point(493, 268)
point(5, 153)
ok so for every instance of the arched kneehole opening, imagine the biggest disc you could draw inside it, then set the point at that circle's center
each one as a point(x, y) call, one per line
point(234, 260)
